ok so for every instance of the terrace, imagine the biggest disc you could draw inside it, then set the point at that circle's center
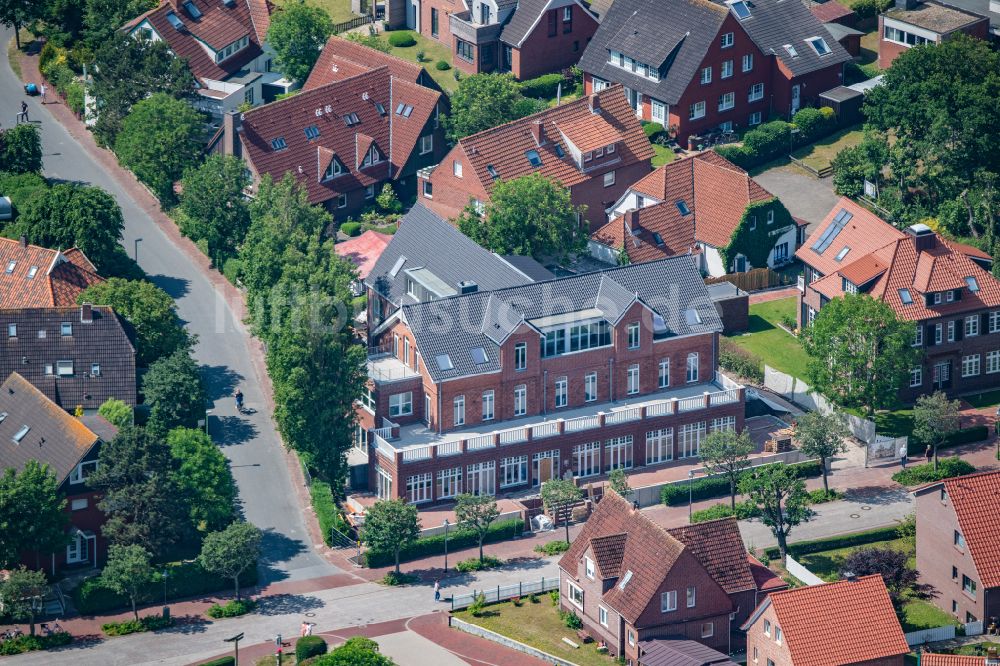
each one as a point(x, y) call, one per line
point(384, 367)
point(418, 442)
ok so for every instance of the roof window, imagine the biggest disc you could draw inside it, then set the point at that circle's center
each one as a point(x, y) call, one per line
point(842, 253)
point(534, 158)
point(380, 108)
point(351, 119)
point(819, 45)
point(832, 231)
point(683, 207)
point(3, 416)
point(479, 355)
point(444, 362)
point(492, 170)
point(625, 579)
point(32, 272)
point(20, 434)
point(692, 317)
point(397, 266)
point(279, 143)
point(175, 21)
point(10, 266)
point(973, 285)
point(740, 8)
point(905, 297)
point(560, 153)
point(312, 132)
point(791, 50)
point(192, 10)
point(657, 238)
point(404, 109)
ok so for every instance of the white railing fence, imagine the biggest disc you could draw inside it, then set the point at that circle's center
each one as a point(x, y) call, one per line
point(503, 592)
point(800, 572)
point(930, 635)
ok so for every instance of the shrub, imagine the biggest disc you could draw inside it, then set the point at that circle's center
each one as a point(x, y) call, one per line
point(554, 597)
point(947, 468)
point(835, 543)
point(814, 123)
point(233, 608)
point(676, 494)
point(23, 644)
point(392, 579)
point(517, 601)
point(869, 8)
point(571, 619)
point(442, 65)
point(232, 268)
point(477, 605)
point(820, 496)
point(474, 564)
point(743, 511)
point(533, 598)
point(735, 154)
point(49, 53)
point(420, 56)
point(350, 228)
point(326, 510)
point(74, 97)
point(652, 130)
point(402, 39)
point(147, 623)
point(736, 359)
point(552, 547)
point(543, 86)
point(221, 661)
point(309, 646)
point(457, 539)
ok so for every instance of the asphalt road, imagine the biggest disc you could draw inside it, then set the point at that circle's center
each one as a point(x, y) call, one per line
point(250, 442)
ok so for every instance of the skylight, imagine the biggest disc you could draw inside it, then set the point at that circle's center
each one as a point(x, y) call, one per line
point(791, 50)
point(560, 153)
point(312, 132)
point(397, 266)
point(10, 266)
point(399, 109)
point(832, 231)
point(657, 238)
point(842, 253)
point(444, 362)
point(819, 45)
point(192, 10)
point(692, 317)
point(380, 108)
point(3, 416)
point(492, 171)
point(683, 207)
point(904, 295)
point(973, 285)
point(175, 21)
point(20, 434)
point(32, 272)
point(625, 579)
point(534, 158)
point(407, 110)
point(740, 8)
point(351, 119)
point(279, 143)
point(478, 355)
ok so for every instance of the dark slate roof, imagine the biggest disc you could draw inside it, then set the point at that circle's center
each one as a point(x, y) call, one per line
point(457, 325)
point(427, 241)
point(529, 267)
point(53, 436)
point(524, 19)
point(102, 341)
point(680, 652)
point(774, 23)
point(653, 32)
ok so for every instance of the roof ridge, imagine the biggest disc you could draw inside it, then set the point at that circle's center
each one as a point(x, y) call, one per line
point(248, 115)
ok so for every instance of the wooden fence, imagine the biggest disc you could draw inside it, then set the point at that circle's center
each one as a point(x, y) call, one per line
point(754, 280)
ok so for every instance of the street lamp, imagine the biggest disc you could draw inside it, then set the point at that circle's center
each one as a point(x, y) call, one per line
point(207, 412)
point(135, 249)
point(446, 525)
point(235, 640)
point(690, 495)
point(166, 574)
point(791, 137)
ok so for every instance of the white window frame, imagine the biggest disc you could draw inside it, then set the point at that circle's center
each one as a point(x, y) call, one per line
point(723, 424)
point(951, 330)
point(663, 375)
point(82, 471)
point(696, 111)
point(727, 40)
point(456, 168)
point(609, 178)
point(992, 362)
point(561, 397)
point(632, 379)
point(658, 111)
point(590, 387)
point(602, 616)
point(706, 75)
point(692, 596)
point(634, 336)
point(748, 62)
point(458, 410)
point(428, 190)
point(916, 377)
point(449, 482)
point(691, 370)
point(64, 368)
point(711, 629)
point(727, 101)
point(659, 446)
point(587, 459)
point(489, 405)
point(520, 400)
point(403, 404)
point(618, 453)
point(513, 471)
point(420, 488)
point(755, 118)
point(995, 321)
point(588, 567)
point(520, 356)
point(426, 144)
point(668, 601)
point(756, 92)
point(918, 336)
point(726, 69)
point(972, 326)
point(689, 437)
point(574, 594)
point(971, 365)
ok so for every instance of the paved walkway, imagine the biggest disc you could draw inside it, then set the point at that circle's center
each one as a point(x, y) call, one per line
point(773, 295)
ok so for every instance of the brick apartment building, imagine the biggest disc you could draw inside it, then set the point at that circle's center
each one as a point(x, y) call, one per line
point(525, 37)
point(35, 428)
point(911, 23)
point(344, 139)
point(632, 582)
point(847, 623)
point(943, 287)
point(703, 205)
point(958, 528)
point(594, 146)
point(695, 65)
point(496, 391)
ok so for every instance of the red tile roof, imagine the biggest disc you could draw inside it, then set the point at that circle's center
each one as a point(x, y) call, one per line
point(931, 659)
point(589, 132)
point(865, 233)
point(219, 25)
point(608, 553)
point(975, 498)
point(325, 108)
point(640, 228)
point(847, 622)
point(829, 11)
point(342, 58)
point(40, 277)
point(765, 579)
point(364, 250)
point(504, 147)
point(719, 547)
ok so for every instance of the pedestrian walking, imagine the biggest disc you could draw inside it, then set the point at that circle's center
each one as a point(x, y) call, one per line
point(437, 590)
point(902, 456)
point(44, 90)
point(309, 628)
point(304, 629)
point(24, 112)
point(928, 454)
point(239, 400)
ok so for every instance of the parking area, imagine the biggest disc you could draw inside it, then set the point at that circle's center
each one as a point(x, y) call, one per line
point(805, 196)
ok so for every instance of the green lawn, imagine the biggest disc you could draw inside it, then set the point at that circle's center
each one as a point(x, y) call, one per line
point(433, 51)
point(919, 615)
point(869, 47)
point(339, 10)
point(779, 349)
point(819, 155)
point(664, 155)
point(977, 649)
point(988, 399)
point(539, 626)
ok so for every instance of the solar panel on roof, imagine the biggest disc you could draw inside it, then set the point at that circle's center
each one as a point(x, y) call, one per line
point(832, 231)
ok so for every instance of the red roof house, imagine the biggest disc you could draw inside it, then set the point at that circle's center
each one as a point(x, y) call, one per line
point(847, 622)
point(37, 277)
point(930, 659)
point(342, 58)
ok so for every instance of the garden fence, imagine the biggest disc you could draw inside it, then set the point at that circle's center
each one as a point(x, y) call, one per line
point(930, 635)
point(755, 279)
point(353, 23)
point(503, 592)
point(800, 572)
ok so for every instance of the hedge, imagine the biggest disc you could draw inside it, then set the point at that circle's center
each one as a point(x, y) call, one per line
point(544, 86)
point(326, 510)
point(309, 646)
point(814, 123)
point(676, 494)
point(434, 545)
point(947, 468)
point(736, 359)
point(185, 579)
point(759, 145)
point(836, 542)
point(978, 433)
point(221, 661)
point(402, 39)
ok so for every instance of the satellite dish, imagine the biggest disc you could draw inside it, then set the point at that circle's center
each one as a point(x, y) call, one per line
point(364, 96)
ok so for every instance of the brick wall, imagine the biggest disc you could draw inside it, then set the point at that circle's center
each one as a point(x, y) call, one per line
point(888, 51)
point(593, 589)
point(597, 198)
point(444, 9)
point(539, 53)
point(452, 193)
point(810, 86)
point(735, 313)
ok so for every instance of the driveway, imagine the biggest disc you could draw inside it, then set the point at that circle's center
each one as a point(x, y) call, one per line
point(251, 443)
point(806, 197)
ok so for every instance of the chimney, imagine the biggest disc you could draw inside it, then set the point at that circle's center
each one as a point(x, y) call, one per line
point(87, 313)
point(467, 287)
point(595, 103)
point(24, 241)
point(538, 131)
point(231, 125)
point(923, 237)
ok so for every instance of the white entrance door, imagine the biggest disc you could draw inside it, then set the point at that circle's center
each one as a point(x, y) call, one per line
point(796, 98)
point(80, 548)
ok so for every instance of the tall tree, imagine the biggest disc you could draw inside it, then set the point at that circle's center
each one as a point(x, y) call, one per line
point(18, 13)
point(822, 436)
point(781, 499)
point(558, 497)
point(901, 580)
point(476, 513)
point(727, 453)
point(127, 572)
point(149, 312)
point(204, 477)
point(32, 513)
point(103, 18)
point(141, 501)
point(21, 594)
point(297, 33)
point(174, 388)
point(127, 70)
point(861, 352)
point(390, 525)
point(70, 215)
point(21, 149)
point(531, 215)
point(214, 205)
point(935, 418)
point(484, 101)
point(159, 139)
point(232, 551)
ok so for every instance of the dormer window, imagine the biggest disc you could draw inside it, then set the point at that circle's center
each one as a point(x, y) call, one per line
point(334, 169)
point(848, 286)
point(229, 50)
point(740, 8)
point(371, 157)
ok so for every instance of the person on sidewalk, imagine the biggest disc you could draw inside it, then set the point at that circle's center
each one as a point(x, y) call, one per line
point(928, 454)
point(44, 90)
point(304, 629)
point(24, 112)
point(437, 590)
point(902, 456)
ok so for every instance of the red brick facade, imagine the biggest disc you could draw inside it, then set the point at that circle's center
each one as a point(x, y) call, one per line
point(542, 52)
point(889, 50)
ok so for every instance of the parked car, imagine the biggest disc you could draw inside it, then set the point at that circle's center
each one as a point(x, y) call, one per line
point(6, 208)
